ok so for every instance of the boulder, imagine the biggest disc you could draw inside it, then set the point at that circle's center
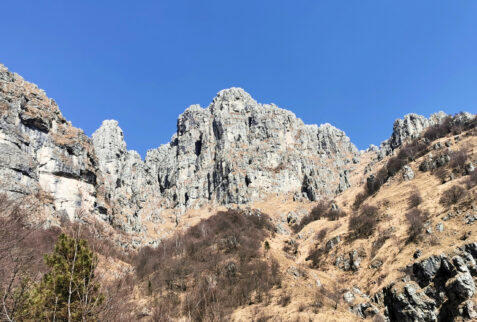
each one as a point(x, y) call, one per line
point(407, 174)
point(407, 302)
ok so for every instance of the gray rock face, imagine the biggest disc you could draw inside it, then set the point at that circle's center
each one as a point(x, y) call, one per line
point(41, 151)
point(461, 287)
point(330, 244)
point(127, 179)
point(348, 297)
point(234, 151)
point(364, 310)
point(434, 162)
point(350, 261)
point(443, 290)
point(408, 128)
point(407, 174)
point(237, 151)
point(409, 303)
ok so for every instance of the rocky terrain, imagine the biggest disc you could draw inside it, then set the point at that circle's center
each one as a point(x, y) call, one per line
point(386, 234)
point(233, 152)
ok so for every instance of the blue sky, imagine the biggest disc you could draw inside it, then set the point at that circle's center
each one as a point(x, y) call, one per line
point(355, 64)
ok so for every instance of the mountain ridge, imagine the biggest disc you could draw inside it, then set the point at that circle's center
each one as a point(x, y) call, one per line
point(234, 151)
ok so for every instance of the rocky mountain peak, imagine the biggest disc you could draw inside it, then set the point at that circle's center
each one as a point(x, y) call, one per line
point(408, 128)
point(232, 100)
point(110, 147)
point(234, 151)
point(411, 125)
point(237, 150)
point(111, 137)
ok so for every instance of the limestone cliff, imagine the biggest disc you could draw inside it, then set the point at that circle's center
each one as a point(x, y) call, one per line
point(233, 151)
point(237, 151)
point(41, 151)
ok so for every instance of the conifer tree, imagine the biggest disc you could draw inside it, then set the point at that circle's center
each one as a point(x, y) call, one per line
point(69, 291)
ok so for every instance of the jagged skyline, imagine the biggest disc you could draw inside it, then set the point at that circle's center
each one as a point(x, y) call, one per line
point(320, 60)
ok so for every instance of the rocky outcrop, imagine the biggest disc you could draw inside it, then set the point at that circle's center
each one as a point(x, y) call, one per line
point(407, 173)
point(408, 128)
point(130, 188)
point(237, 151)
point(234, 151)
point(41, 151)
point(442, 289)
point(350, 261)
point(411, 126)
point(407, 302)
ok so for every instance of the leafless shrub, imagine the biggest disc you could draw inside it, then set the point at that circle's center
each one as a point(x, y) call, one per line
point(215, 265)
point(316, 256)
point(359, 199)
point(321, 234)
point(333, 215)
point(321, 211)
point(285, 299)
point(378, 243)
point(440, 130)
point(363, 224)
point(415, 199)
point(413, 150)
point(395, 164)
point(452, 195)
point(375, 183)
point(450, 125)
point(471, 180)
point(416, 220)
point(291, 247)
point(458, 160)
point(22, 246)
point(332, 294)
point(385, 203)
point(442, 174)
point(434, 240)
point(316, 213)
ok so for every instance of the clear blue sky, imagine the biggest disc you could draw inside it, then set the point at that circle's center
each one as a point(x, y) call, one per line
point(355, 64)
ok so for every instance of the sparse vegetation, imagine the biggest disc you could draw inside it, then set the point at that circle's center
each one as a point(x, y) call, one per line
point(285, 299)
point(363, 224)
point(458, 160)
point(442, 174)
point(406, 154)
point(452, 195)
point(321, 234)
point(416, 220)
point(359, 199)
point(323, 210)
point(214, 265)
point(316, 256)
point(471, 180)
point(415, 199)
point(415, 149)
point(378, 243)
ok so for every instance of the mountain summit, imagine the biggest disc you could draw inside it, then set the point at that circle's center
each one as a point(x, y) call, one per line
point(234, 151)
